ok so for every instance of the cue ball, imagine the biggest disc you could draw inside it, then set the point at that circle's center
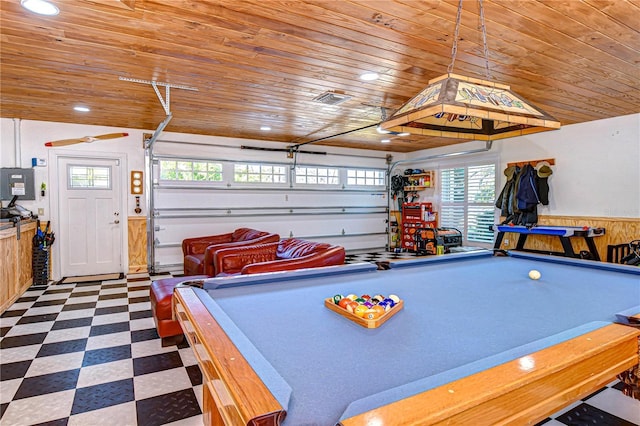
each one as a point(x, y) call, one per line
point(534, 275)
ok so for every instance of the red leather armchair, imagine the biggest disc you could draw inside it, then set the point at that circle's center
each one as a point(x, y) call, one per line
point(198, 252)
point(288, 254)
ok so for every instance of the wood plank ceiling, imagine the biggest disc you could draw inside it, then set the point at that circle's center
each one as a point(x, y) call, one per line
point(261, 62)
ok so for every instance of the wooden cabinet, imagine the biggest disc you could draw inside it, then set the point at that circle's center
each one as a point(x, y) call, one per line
point(16, 274)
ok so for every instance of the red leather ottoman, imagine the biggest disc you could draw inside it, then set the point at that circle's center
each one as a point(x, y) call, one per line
point(161, 292)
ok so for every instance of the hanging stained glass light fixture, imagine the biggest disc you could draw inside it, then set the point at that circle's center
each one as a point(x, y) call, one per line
point(455, 106)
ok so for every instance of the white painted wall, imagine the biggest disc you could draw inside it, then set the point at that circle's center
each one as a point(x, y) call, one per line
point(597, 171)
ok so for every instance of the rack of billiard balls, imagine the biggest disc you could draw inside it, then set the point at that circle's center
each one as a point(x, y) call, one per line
point(368, 311)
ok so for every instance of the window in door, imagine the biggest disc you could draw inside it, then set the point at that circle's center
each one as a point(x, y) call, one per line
point(365, 177)
point(88, 177)
point(259, 173)
point(191, 170)
point(317, 176)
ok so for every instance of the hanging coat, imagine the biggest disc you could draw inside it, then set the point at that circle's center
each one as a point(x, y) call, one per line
point(528, 189)
point(527, 197)
point(543, 185)
point(506, 197)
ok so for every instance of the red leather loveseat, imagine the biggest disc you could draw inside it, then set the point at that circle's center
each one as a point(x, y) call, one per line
point(198, 264)
point(198, 252)
point(286, 255)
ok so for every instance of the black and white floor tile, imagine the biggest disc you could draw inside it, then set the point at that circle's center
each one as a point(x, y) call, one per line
point(385, 256)
point(358, 257)
point(88, 354)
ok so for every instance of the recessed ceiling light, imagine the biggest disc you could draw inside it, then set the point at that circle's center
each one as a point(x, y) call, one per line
point(369, 76)
point(41, 7)
point(81, 109)
point(404, 134)
point(265, 128)
point(385, 141)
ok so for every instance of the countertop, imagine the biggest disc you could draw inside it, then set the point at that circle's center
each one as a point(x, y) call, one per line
point(8, 224)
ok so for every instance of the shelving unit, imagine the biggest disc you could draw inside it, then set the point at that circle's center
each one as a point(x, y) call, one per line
point(421, 181)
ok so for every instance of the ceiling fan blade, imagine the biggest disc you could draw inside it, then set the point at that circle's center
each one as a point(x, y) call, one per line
point(65, 142)
point(111, 136)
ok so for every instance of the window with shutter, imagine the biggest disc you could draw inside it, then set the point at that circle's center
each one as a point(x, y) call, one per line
point(467, 201)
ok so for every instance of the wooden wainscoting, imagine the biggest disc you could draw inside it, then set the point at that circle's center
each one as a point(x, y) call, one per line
point(618, 230)
point(137, 244)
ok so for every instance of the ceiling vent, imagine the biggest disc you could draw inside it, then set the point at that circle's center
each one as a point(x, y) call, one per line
point(331, 98)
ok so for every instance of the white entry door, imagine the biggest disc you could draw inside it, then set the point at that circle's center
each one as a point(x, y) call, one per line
point(89, 215)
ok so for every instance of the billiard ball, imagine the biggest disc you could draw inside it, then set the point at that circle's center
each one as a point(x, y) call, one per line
point(534, 275)
point(365, 297)
point(343, 302)
point(337, 298)
point(385, 305)
point(360, 310)
point(378, 309)
point(395, 298)
point(370, 314)
point(360, 300)
point(351, 306)
point(389, 302)
point(368, 304)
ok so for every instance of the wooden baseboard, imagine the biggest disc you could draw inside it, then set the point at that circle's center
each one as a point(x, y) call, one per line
point(137, 269)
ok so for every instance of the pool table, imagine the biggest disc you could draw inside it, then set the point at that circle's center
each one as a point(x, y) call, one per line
point(477, 341)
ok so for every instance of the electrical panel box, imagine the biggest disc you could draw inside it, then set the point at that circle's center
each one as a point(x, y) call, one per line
point(17, 182)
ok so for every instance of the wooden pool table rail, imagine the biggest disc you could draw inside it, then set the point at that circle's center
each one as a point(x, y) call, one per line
point(233, 394)
point(522, 391)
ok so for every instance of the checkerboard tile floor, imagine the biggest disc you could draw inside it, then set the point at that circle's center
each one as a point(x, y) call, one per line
point(383, 256)
point(88, 354)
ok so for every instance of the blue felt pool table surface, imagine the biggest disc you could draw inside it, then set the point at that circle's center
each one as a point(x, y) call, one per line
point(461, 315)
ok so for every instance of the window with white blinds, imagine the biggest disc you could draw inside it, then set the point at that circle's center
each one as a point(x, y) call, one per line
point(467, 200)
